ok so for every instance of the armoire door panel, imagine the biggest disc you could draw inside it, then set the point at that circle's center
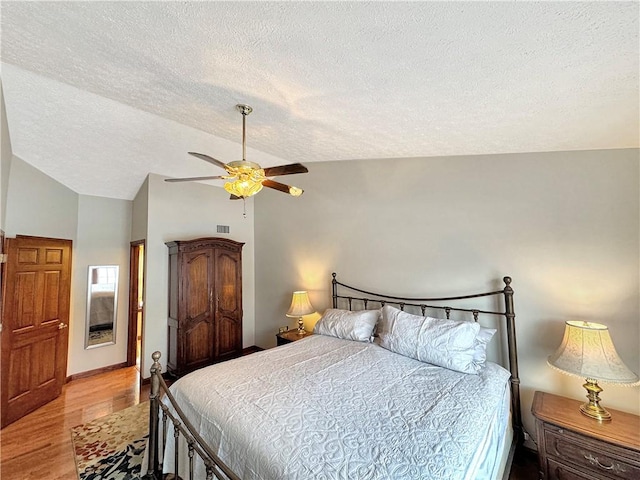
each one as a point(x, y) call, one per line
point(197, 289)
point(227, 266)
point(227, 336)
point(198, 344)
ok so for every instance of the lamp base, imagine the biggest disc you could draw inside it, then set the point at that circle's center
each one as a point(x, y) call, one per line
point(300, 327)
point(592, 408)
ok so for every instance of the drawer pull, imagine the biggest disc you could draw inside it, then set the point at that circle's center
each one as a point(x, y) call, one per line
point(594, 461)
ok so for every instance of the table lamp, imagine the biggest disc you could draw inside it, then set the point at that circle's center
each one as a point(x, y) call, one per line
point(300, 306)
point(587, 351)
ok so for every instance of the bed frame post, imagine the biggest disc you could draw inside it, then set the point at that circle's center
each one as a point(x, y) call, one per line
point(153, 469)
point(334, 290)
point(513, 361)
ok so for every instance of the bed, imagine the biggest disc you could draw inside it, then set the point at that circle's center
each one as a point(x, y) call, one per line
point(101, 311)
point(349, 402)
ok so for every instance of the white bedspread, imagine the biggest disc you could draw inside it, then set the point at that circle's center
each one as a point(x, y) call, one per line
point(326, 408)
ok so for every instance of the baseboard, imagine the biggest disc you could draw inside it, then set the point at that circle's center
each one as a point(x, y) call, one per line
point(251, 349)
point(166, 376)
point(97, 371)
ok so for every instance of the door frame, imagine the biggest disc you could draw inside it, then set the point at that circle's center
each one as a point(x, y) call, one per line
point(134, 266)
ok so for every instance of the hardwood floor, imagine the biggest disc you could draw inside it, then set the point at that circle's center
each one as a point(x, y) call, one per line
point(38, 446)
point(525, 465)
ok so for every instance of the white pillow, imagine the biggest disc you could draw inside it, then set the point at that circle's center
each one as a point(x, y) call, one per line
point(480, 349)
point(346, 324)
point(446, 343)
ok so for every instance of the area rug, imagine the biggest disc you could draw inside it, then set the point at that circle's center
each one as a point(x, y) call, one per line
point(112, 447)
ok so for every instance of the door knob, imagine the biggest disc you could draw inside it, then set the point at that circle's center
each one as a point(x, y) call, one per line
point(62, 325)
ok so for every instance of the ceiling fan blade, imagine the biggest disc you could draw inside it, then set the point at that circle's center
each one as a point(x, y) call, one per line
point(193, 179)
point(281, 187)
point(285, 170)
point(209, 159)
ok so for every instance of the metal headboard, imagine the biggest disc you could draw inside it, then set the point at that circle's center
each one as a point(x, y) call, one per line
point(425, 303)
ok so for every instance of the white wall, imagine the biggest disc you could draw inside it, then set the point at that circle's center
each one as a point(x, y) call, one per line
point(185, 211)
point(38, 205)
point(564, 225)
point(104, 227)
point(100, 230)
point(5, 160)
point(139, 219)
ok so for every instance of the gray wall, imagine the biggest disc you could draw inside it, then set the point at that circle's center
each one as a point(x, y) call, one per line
point(5, 160)
point(38, 205)
point(103, 239)
point(100, 230)
point(184, 211)
point(140, 212)
point(564, 225)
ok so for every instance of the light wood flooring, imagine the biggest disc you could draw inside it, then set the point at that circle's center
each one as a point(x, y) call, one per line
point(38, 446)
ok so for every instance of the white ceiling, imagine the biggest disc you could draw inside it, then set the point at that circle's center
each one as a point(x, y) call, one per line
point(100, 94)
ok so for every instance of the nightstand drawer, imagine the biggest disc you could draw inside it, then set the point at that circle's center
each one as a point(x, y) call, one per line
point(605, 460)
point(558, 471)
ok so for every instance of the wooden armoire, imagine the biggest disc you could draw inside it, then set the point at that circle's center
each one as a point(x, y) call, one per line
point(205, 302)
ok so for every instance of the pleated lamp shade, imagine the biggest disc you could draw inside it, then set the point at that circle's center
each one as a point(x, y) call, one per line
point(300, 306)
point(587, 351)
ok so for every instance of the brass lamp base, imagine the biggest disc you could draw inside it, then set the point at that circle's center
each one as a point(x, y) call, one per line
point(300, 327)
point(592, 408)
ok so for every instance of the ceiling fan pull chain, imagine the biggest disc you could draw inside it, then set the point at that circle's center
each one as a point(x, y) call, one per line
point(244, 207)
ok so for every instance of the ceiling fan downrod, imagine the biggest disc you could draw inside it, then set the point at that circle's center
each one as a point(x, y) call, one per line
point(244, 110)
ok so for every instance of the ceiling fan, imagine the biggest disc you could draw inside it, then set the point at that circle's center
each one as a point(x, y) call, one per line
point(248, 178)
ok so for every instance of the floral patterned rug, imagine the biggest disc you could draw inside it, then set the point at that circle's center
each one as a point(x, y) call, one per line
point(112, 447)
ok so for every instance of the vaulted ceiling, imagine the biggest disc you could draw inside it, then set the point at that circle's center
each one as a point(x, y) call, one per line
point(99, 94)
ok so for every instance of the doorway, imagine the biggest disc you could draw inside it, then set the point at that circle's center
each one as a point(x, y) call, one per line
point(136, 303)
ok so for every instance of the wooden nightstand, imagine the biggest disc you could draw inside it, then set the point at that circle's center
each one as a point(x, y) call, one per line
point(572, 446)
point(290, 336)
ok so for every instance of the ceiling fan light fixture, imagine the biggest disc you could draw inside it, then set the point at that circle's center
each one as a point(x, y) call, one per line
point(295, 191)
point(243, 188)
point(248, 178)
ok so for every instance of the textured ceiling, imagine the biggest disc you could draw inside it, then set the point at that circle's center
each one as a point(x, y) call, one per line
point(100, 94)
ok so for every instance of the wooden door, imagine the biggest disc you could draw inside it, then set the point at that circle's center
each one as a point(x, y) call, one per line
point(35, 321)
point(196, 327)
point(228, 291)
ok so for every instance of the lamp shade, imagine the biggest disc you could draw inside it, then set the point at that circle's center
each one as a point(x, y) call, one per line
point(587, 351)
point(300, 305)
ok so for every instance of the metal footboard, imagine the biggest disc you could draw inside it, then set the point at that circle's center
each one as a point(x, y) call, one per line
point(195, 444)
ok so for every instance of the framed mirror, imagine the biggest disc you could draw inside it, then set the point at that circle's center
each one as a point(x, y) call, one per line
point(102, 306)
